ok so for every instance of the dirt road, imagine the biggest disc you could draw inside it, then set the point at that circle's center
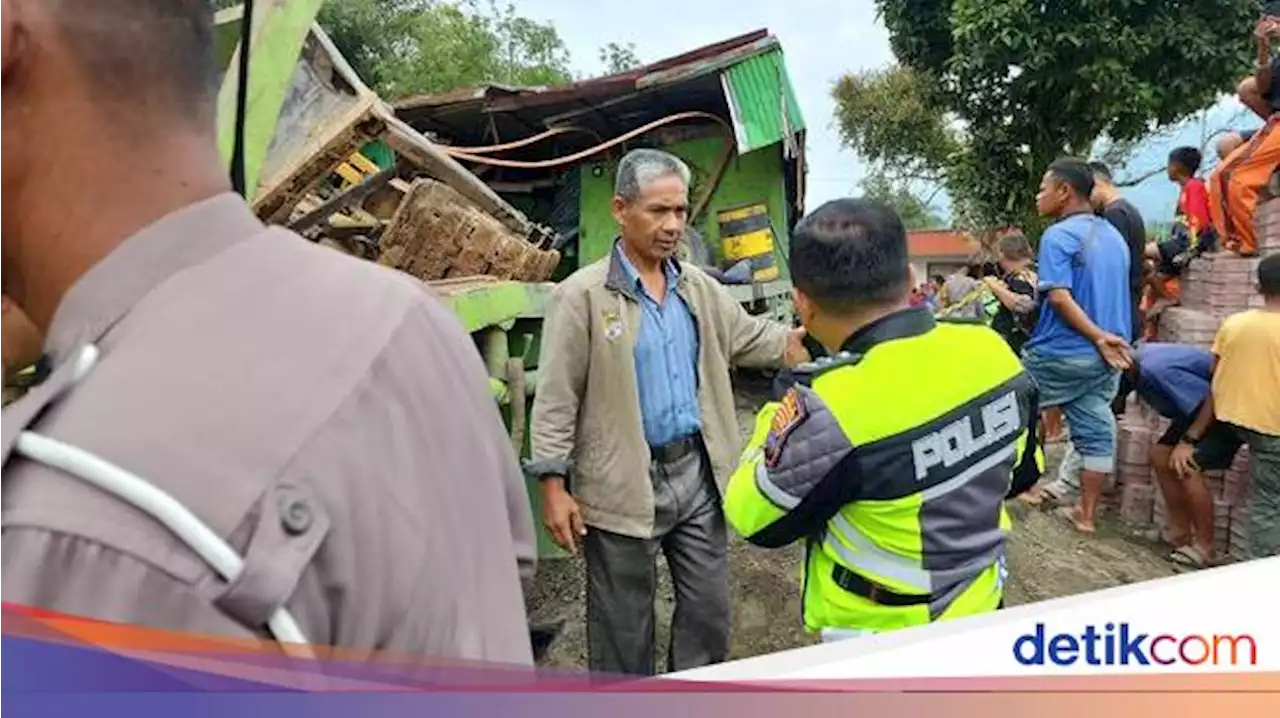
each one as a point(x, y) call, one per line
point(1047, 559)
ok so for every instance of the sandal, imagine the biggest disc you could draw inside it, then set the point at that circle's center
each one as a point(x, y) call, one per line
point(1160, 538)
point(1055, 492)
point(1190, 557)
point(1033, 496)
point(1070, 513)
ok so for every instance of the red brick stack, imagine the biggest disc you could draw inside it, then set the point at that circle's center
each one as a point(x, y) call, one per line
point(1266, 223)
point(1213, 288)
point(1134, 482)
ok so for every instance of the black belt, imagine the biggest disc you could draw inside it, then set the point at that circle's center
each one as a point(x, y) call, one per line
point(676, 450)
point(874, 592)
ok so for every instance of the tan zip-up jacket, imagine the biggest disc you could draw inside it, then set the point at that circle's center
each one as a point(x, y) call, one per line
point(586, 414)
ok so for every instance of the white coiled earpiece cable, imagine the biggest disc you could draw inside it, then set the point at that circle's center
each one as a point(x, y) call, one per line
point(156, 503)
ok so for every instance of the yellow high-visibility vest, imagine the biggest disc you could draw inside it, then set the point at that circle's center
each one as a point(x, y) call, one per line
point(894, 473)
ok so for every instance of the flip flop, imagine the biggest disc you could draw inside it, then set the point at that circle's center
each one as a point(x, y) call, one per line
point(1069, 513)
point(1032, 497)
point(1190, 557)
point(1157, 536)
point(1056, 495)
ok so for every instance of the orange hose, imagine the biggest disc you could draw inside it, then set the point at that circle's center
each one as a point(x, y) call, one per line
point(542, 164)
point(518, 143)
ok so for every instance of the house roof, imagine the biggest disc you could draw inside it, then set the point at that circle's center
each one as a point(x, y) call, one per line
point(939, 243)
point(504, 97)
point(742, 80)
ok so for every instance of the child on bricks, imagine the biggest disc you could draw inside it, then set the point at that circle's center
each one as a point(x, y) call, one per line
point(1246, 395)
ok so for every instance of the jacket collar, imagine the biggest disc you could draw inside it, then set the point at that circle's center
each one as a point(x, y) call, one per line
point(901, 324)
point(113, 286)
point(621, 279)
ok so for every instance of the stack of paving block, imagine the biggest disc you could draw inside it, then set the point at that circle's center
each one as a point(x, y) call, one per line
point(1134, 482)
point(1221, 284)
point(1213, 287)
point(1266, 223)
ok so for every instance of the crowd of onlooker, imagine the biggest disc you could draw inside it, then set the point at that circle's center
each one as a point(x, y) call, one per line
point(1081, 314)
point(1084, 313)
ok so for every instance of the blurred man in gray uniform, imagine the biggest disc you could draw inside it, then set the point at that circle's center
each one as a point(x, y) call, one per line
point(323, 415)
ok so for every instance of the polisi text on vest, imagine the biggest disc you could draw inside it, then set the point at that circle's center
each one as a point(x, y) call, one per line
point(957, 441)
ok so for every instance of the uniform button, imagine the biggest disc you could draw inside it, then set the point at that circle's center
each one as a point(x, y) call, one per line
point(296, 515)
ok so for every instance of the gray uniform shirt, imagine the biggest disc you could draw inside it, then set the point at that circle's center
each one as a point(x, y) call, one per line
point(325, 415)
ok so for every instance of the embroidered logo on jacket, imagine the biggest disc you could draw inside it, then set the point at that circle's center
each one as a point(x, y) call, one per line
point(790, 414)
point(613, 327)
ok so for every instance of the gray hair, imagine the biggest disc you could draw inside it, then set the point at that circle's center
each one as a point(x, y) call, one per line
point(1015, 247)
point(640, 168)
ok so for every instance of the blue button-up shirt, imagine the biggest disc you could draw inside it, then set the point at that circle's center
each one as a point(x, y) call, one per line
point(666, 361)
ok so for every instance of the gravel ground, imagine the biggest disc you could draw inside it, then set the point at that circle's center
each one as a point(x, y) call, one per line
point(1047, 559)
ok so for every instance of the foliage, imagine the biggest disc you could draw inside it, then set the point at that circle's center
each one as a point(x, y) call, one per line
point(916, 213)
point(988, 92)
point(619, 58)
point(894, 112)
point(410, 47)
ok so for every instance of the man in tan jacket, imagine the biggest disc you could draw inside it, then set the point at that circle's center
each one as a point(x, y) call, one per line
point(634, 431)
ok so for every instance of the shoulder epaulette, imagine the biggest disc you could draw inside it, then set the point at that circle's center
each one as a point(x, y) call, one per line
point(804, 374)
point(816, 368)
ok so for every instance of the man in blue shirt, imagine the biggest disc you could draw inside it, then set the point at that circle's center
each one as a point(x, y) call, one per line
point(1174, 379)
point(1081, 339)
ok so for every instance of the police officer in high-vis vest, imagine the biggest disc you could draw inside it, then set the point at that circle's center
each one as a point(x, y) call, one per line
point(891, 458)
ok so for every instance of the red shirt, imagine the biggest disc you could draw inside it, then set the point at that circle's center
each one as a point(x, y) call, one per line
point(1193, 204)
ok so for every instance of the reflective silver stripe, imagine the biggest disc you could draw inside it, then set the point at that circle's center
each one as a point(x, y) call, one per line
point(873, 559)
point(868, 557)
point(771, 491)
point(964, 477)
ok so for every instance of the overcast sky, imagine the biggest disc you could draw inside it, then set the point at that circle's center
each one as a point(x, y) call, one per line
point(822, 39)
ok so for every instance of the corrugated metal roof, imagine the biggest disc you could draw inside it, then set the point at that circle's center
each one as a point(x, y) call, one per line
point(763, 101)
point(512, 98)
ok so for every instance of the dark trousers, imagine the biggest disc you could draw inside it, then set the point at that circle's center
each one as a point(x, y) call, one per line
point(622, 577)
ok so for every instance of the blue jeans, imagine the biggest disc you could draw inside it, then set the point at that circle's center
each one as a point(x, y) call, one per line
point(1084, 386)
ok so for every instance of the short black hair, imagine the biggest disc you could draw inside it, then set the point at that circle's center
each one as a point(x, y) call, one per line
point(939, 279)
point(1075, 173)
point(1269, 276)
point(140, 52)
point(850, 254)
point(1188, 158)
point(1100, 169)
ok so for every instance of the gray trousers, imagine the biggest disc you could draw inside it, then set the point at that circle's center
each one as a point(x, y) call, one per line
point(622, 576)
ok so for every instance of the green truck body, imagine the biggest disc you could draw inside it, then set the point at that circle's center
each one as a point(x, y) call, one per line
point(308, 111)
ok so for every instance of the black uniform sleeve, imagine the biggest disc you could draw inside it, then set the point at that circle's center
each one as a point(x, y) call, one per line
point(1028, 471)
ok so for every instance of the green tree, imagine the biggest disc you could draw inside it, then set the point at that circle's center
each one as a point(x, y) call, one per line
point(987, 92)
point(409, 47)
point(916, 212)
point(619, 58)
